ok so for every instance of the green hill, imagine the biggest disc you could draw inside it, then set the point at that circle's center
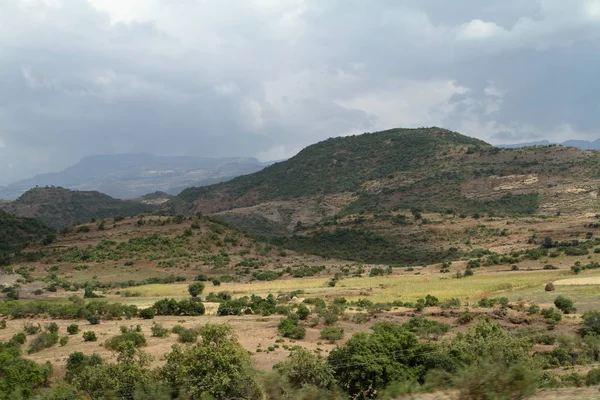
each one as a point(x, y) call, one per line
point(335, 165)
point(346, 197)
point(58, 207)
point(17, 233)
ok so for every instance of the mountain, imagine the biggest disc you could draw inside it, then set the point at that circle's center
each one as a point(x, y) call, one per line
point(133, 175)
point(59, 207)
point(17, 233)
point(581, 144)
point(363, 197)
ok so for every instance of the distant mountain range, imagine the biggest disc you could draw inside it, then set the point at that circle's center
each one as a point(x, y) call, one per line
point(133, 175)
point(582, 144)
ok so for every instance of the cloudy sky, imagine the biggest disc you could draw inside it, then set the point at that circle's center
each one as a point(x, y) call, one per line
point(268, 77)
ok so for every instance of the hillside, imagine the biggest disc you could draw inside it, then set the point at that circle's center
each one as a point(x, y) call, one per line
point(58, 207)
point(17, 233)
point(133, 175)
point(361, 197)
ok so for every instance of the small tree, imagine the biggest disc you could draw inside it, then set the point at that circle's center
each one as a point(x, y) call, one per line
point(89, 336)
point(196, 289)
point(72, 329)
point(565, 305)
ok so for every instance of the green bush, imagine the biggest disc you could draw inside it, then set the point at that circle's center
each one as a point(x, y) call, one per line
point(187, 336)
point(590, 324)
point(303, 312)
point(52, 327)
point(551, 315)
point(565, 305)
point(42, 341)
point(158, 330)
point(89, 336)
point(289, 328)
point(73, 329)
point(3, 324)
point(31, 329)
point(93, 319)
point(137, 339)
point(64, 340)
point(147, 313)
point(593, 377)
point(304, 368)
point(196, 289)
point(332, 333)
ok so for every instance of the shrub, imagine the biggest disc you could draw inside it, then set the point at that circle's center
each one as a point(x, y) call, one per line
point(31, 329)
point(329, 318)
point(89, 336)
point(52, 327)
point(289, 328)
point(218, 367)
point(361, 318)
point(489, 380)
point(137, 339)
point(426, 328)
point(590, 324)
point(147, 313)
point(565, 305)
point(64, 340)
point(188, 336)
point(195, 289)
point(158, 330)
point(593, 377)
point(303, 312)
point(93, 319)
point(304, 368)
point(19, 338)
point(73, 329)
point(551, 315)
point(466, 317)
point(42, 341)
point(3, 324)
point(332, 333)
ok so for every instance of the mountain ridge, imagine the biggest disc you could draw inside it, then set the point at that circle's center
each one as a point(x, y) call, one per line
point(133, 175)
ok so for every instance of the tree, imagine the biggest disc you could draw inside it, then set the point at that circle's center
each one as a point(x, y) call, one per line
point(218, 366)
point(369, 362)
point(565, 305)
point(305, 368)
point(591, 323)
point(196, 289)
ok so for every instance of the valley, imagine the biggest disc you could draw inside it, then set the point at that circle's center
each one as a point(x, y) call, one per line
point(422, 252)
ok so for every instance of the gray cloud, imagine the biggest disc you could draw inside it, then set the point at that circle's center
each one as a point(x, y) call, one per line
point(265, 77)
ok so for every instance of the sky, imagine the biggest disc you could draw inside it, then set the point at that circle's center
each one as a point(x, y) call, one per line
point(266, 78)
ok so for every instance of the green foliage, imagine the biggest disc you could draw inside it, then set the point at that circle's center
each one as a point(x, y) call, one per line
point(290, 328)
point(593, 377)
point(187, 335)
point(551, 315)
point(128, 378)
point(42, 341)
point(217, 366)
point(332, 333)
point(305, 368)
point(89, 336)
point(73, 329)
point(565, 305)
point(183, 307)
point(19, 375)
point(303, 312)
point(147, 313)
point(64, 340)
point(369, 362)
point(137, 339)
point(158, 330)
point(17, 233)
point(590, 324)
point(31, 329)
point(492, 380)
point(425, 328)
point(196, 289)
point(52, 327)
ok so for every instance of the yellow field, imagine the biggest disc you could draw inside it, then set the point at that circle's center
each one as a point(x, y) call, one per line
point(388, 288)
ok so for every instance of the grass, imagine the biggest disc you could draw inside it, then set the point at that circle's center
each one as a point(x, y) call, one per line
point(385, 289)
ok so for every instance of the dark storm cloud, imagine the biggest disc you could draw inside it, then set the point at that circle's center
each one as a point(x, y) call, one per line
point(267, 77)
